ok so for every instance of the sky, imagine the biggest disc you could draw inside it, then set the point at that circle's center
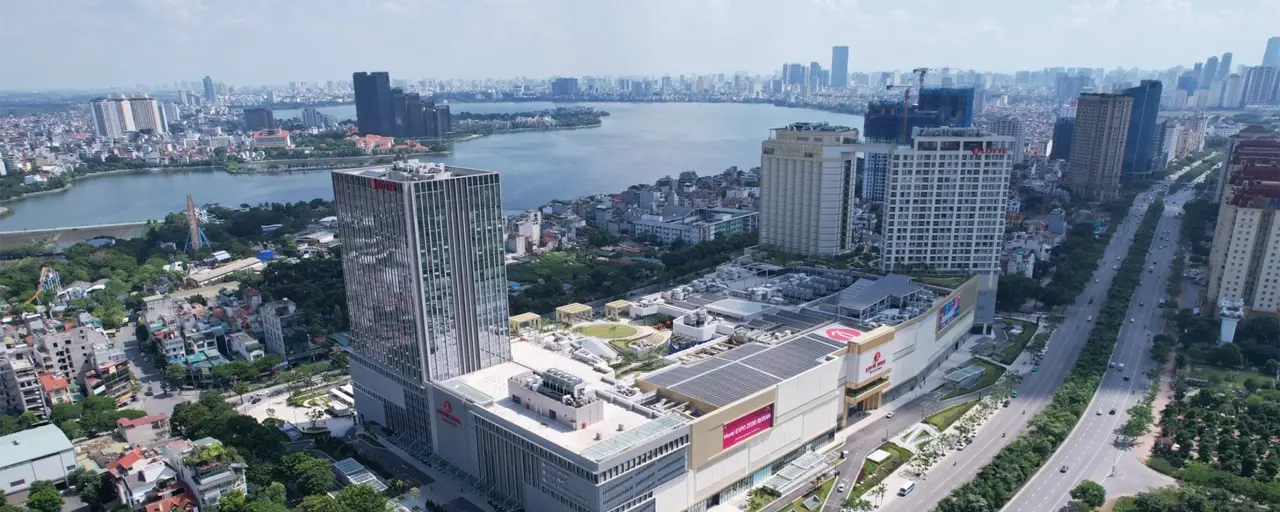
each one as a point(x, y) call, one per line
point(86, 44)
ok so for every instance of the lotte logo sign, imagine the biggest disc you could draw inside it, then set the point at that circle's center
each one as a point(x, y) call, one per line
point(877, 364)
point(843, 334)
point(446, 411)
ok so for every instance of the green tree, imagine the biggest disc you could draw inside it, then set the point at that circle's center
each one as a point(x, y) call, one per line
point(27, 419)
point(319, 503)
point(241, 388)
point(44, 497)
point(176, 373)
point(361, 498)
point(310, 475)
point(95, 489)
point(1090, 493)
point(142, 333)
point(8, 425)
point(339, 362)
point(233, 501)
point(72, 429)
point(274, 493)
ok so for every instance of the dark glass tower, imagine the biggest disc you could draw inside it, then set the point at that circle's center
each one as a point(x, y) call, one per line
point(839, 67)
point(1141, 144)
point(954, 107)
point(1062, 129)
point(373, 103)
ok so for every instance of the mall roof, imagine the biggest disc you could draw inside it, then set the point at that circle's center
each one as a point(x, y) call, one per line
point(488, 388)
point(735, 374)
point(867, 292)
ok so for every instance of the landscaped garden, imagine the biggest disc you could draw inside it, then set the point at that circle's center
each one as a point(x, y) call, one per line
point(944, 418)
point(608, 331)
point(990, 374)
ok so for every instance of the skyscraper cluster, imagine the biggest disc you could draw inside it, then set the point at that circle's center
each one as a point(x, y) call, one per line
point(392, 112)
point(1213, 84)
point(116, 115)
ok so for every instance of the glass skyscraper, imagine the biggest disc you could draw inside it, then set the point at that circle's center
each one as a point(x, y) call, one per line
point(422, 257)
point(373, 103)
point(1141, 143)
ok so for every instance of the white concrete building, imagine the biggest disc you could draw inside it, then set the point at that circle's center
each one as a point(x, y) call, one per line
point(112, 116)
point(1010, 126)
point(699, 225)
point(146, 114)
point(807, 177)
point(945, 203)
point(1246, 241)
point(1022, 262)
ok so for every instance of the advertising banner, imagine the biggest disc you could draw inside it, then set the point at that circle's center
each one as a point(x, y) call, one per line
point(743, 428)
point(948, 312)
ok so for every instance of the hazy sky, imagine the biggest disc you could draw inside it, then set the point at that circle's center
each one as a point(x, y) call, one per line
point(101, 43)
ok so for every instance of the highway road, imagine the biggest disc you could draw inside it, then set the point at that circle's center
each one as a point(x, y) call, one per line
point(1091, 451)
point(1036, 389)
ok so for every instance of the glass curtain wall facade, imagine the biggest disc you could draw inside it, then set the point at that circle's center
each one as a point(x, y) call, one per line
point(422, 259)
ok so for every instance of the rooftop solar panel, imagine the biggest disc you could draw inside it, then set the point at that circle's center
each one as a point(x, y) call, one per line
point(677, 374)
point(726, 385)
point(742, 351)
point(790, 359)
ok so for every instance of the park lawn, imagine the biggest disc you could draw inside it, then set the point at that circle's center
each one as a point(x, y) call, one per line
point(608, 331)
point(1234, 378)
point(876, 473)
point(990, 375)
point(944, 418)
point(1019, 344)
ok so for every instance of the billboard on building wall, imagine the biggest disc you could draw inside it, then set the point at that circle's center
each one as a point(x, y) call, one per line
point(948, 312)
point(743, 428)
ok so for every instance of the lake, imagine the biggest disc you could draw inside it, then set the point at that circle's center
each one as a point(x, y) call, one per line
point(638, 143)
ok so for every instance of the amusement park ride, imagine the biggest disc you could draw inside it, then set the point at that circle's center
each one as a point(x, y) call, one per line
point(49, 281)
point(195, 234)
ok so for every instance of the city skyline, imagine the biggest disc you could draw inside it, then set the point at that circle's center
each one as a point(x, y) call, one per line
point(201, 38)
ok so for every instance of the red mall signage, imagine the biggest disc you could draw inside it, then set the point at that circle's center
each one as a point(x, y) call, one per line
point(990, 151)
point(446, 412)
point(390, 186)
point(877, 364)
point(843, 334)
point(743, 428)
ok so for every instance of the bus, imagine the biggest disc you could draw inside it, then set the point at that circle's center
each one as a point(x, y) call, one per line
point(906, 488)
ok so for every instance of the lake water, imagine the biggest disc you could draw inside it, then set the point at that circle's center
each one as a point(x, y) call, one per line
point(638, 143)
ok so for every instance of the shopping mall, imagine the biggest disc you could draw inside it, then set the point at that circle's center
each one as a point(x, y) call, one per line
point(757, 368)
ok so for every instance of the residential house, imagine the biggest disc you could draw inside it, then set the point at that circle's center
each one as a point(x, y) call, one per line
point(285, 330)
point(144, 431)
point(207, 468)
point(245, 346)
point(142, 477)
point(57, 390)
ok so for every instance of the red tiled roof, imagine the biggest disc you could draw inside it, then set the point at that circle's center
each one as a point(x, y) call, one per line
point(145, 420)
point(180, 502)
point(52, 383)
point(117, 467)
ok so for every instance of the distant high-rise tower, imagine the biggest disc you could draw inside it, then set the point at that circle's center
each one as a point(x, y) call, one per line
point(1210, 73)
point(1262, 85)
point(839, 67)
point(1224, 67)
point(953, 105)
point(1062, 130)
point(146, 114)
point(112, 116)
point(373, 103)
point(1142, 141)
point(807, 173)
point(210, 93)
point(1198, 74)
point(1097, 145)
point(1011, 127)
point(259, 119)
point(1272, 57)
point(422, 260)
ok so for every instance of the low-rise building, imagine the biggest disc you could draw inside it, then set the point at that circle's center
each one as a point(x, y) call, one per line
point(272, 139)
point(699, 225)
point(245, 346)
point(141, 477)
point(144, 431)
point(207, 468)
point(56, 390)
point(41, 453)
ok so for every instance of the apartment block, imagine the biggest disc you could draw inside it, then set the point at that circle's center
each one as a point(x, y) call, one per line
point(1097, 145)
point(807, 181)
point(1244, 263)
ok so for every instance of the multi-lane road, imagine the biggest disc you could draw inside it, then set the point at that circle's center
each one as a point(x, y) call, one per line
point(1091, 451)
point(1037, 388)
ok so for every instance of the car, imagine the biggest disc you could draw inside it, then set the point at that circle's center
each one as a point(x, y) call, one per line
point(1095, 281)
point(1091, 300)
point(1006, 402)
point(1014, 394)
point(1113, 412)
point(1035, 369)
point(1132, 320)
point(150, 392)
point(1142, 304)
point(1111, 364)
point(1099, 412)
point(889, 414)
point(840, 488)
point(1126, 378)
point(255, 400)
point(1063, 469)
point(1090, 317)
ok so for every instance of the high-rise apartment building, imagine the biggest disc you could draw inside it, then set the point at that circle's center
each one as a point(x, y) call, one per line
point(426, 287)
point(112, 116)
point(1068, 87)
point(945, 202)
point(564, 87)
point(1062, 130)
point(954, 106)
point(256, 119)
point(210, 92)
point(1142, 142)
point(146, 114)
point(1010, 126)
point(1233, 91)
point(1210, 73)
point(1262, 85)
point(1224, 67)
point(839, 67)
point(1272, 56)
point(807, 173)
point(1246, 240)
point(1251, 145)
point(373, 103)
point(1097, 145)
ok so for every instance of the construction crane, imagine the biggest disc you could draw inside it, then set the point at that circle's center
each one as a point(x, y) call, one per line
point(49, 281)
point(195, 235)
point(906, 99)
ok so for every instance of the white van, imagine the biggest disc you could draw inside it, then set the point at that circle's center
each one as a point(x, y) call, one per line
point(906, 488)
